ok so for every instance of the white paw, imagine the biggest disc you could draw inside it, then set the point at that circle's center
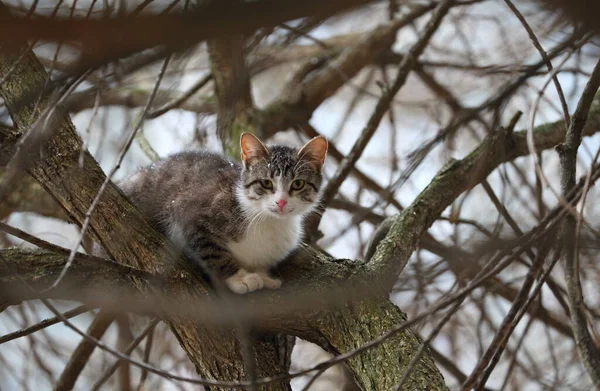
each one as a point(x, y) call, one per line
point(270, 283)
point(243, 282)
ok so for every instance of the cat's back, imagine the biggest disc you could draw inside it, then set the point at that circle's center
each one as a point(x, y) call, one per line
point(189, 180)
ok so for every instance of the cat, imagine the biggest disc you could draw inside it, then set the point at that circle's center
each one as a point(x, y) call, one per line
point(234, 221)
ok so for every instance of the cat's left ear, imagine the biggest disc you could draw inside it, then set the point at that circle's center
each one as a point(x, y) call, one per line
point(252, 148)
point(314, 152)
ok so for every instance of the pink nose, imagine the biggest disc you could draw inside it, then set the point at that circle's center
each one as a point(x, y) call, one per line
point(281, 204)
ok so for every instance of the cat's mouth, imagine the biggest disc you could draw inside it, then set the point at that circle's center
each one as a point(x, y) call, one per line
point(281, 213)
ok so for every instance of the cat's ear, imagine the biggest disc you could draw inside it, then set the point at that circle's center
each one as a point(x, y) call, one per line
point(314, 152)
point(252, 148)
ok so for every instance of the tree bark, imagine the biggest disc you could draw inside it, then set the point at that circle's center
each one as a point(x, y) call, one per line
point(116, 224)
point(232, 89)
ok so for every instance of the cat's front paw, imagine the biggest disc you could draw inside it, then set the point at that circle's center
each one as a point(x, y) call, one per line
point(243, 282)
point(270, 283)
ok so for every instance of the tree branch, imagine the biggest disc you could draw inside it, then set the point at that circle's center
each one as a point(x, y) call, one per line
point(316, 82)
point(588, 352)
point(82, 353)
point(132, 97)
point(332, 327)
point(103, 37)
point(402, 232)
point(27, 195)
point(406, 66)
point(232, 89)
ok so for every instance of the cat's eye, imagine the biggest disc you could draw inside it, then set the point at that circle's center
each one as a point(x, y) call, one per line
point(267, 184)
point(298, 184)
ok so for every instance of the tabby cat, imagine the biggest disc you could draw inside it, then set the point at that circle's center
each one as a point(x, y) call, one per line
point(234, 221)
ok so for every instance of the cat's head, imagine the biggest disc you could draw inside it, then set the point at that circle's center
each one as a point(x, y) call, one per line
point(278, 180)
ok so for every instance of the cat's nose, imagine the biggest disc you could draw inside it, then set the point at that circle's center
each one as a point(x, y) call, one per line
point(281, 204)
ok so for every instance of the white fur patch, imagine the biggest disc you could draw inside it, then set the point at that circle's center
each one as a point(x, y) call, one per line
point(267, 241)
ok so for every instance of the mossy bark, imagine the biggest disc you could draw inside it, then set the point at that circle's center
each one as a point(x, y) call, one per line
point(232, 89)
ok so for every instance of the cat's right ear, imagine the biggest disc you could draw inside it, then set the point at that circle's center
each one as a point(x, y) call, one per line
point(314, 152)
point(252, 148)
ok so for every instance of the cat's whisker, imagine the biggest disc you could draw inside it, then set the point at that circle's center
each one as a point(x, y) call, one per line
point(259, 218)
point(254, 218)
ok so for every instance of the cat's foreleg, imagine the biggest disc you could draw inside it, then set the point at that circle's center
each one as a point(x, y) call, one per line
point(219, 263)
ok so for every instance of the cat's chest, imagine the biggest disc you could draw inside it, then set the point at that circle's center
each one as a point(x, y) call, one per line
point(266, 243)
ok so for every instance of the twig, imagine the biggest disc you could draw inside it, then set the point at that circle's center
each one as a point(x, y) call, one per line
point(83, 352)
point(505, 330)
point(108, 373)
point(147, 350)
point(588, 352)
point(43, 324)
point(554, 287)
point(175, 103)
point(511, 328)
point(540, 49)
point(418, 155)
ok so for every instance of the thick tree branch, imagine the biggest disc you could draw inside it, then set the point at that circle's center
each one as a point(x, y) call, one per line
point(27, 195)
point(232, 89)
point(320, 322)
point(43, 324)
point(103, 37)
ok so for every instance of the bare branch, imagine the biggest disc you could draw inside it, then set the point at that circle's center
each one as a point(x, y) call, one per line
point(43, 324)
point(83, 352)
point(588, 352)
point(408, 63)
